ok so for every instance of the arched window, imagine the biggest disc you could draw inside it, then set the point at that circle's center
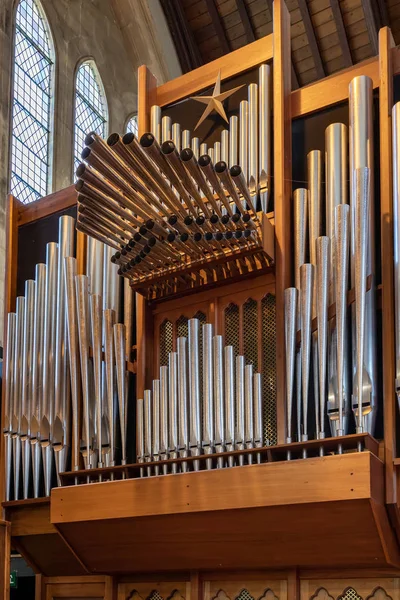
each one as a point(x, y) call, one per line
point(90, 107)
point(32, 103)
point(132, 125)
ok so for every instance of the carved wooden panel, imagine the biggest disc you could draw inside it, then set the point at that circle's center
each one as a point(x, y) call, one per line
point(350, 589)
point(246, 590)
point(168, 590)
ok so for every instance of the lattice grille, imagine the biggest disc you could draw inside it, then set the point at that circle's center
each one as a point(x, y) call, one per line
point(244, 595)
point(155, 596)
point(166, 333)
point(232, 327)
point(90, 108)
point(201, 317)
point(350, 594)
point(132, 125)
point(31, 104)
point(182, 327)
point(250, 329)
point(268, 369)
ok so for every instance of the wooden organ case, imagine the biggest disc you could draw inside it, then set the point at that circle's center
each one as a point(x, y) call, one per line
point(327, 527)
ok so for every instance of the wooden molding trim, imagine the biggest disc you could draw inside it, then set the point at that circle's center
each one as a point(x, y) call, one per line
point(231, 64)
point(44, 207)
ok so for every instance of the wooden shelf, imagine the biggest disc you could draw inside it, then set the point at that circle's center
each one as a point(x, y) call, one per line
point(267, 454)
point(326, 512)
point(38, 541)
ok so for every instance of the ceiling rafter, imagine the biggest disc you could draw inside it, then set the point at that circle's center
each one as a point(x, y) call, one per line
point(372, 22)
point(248, 27)
point(188, 51)
point(218, 26)
point(343, 41)
point(312, 40)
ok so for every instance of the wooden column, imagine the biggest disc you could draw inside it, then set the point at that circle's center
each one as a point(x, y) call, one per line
point(386, 182)
point(147, 88)
point(5, 553)
point(282, 192)
point(10, 293)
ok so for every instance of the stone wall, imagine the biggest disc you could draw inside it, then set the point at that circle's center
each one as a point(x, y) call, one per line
point(119, 35)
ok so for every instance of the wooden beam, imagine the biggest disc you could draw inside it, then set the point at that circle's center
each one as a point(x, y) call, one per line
point(47, 206)
point(371, 23)
point(386, 43)
point(231, 64)
point(344, 42)
point(332, 89)
point(219, 28)
point(282, 194)
point(312, 40)
point(248, 28)
point(182, 34)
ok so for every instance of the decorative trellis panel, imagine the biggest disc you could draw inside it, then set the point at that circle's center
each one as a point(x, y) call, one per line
point(246, 590)
point(168, 590)
point(350, 589)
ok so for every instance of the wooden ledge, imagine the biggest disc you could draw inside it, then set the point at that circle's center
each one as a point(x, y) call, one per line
point(37, 540)
point(325, 511)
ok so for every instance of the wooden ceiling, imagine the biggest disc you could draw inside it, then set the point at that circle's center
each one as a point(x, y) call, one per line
point(327, 35)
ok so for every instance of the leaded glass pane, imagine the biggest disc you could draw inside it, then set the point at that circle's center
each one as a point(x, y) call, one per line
point(132, 126)
point(33, 68)
point(90, 108)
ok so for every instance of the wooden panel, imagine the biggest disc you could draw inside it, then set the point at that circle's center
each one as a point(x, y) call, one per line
point(258, 485)
point(48, 554)
point(386, 43)
point(282, 191)
point(48, 205)
point(94, 587)
point(340, 534)
point(203, 77)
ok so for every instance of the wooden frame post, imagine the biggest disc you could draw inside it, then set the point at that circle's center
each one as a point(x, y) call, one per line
point(386, 43)
point(282, 193)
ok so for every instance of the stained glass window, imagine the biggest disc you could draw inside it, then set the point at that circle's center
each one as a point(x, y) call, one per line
point(90, 107)
point(132, 125)
point(32, 104)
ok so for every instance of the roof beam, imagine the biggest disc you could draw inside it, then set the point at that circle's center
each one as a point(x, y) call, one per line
point(372, 24)
point(188, 52)
point(217, 22)
point(312, 40)
point(344, 42)
point(248, 28)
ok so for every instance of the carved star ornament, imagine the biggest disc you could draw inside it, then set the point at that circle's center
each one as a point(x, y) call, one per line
point(215, 102)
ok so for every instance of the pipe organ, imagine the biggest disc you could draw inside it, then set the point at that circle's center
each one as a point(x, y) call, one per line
point(204, 360)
